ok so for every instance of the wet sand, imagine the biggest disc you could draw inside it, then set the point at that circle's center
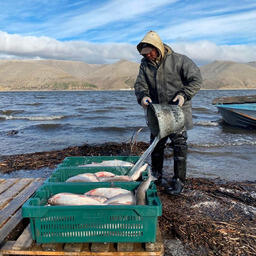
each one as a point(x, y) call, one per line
point(210, 217)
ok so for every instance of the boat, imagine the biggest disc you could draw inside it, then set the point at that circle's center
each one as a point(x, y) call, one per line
point(238, 110)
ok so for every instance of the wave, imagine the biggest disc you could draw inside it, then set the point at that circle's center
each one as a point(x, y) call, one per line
point(49, 126)
point(201, 109)
point(34, 118)
point(31, 104)
point(223, 144)
point(98, 117)
point(206, 123)
point(9, 112)
point(118, 129)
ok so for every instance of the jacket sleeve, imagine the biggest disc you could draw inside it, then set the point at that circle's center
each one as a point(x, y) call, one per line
point(141, 85)
point(191, 77)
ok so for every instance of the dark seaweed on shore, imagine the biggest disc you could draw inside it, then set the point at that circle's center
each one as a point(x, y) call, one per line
point(52, 158)
point(210, 217)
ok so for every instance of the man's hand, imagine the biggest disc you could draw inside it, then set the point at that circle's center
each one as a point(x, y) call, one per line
point(180, 100)
point(145, 101)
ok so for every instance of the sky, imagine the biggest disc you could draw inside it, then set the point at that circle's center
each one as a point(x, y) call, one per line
point(106, 31)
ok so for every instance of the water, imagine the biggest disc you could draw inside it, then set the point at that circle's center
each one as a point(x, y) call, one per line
point(43, 121)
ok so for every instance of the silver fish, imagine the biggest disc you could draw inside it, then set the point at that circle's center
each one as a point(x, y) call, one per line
point(115, 178)
point(104, 174)
point(72, 199)
point(136, 175)
point(127, 199)
point(143, 187)
point(85, 177)
point(114, 162)
point(107, 192)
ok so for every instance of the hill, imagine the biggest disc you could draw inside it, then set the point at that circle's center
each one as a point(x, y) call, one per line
point(229, 75)
point(75, 75)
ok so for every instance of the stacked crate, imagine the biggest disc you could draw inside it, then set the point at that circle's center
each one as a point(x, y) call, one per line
point(91, 223)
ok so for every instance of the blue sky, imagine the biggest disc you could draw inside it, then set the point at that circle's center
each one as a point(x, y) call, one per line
point(108, 30)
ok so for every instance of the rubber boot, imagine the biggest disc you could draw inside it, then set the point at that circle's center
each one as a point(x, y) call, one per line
point(157, 159)
point(180, 164)
point(157, 167)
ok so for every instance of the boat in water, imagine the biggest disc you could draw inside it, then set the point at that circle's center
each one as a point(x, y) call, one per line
point(238, 111)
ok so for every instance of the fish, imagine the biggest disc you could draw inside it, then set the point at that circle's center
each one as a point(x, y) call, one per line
point(136, 175)
point(114, 162)
point(143, 187)
point(107, 192)
point(128, 199)
point(85, 177)
point(72, 199)
point(101, 199)
point(115, 178)
point(104, 174)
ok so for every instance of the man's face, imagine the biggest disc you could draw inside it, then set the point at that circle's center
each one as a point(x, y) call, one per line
point(151, 55)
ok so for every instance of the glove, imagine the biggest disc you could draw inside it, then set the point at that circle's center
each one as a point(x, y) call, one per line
point(180, 100)
point(145, 101)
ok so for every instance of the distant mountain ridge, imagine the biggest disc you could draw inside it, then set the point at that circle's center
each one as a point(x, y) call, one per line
point(76, 75)
point(229, 75)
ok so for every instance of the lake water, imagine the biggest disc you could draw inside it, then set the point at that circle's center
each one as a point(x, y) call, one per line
point(44, 121)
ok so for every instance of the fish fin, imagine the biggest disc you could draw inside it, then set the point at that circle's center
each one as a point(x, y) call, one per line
point(151, 175)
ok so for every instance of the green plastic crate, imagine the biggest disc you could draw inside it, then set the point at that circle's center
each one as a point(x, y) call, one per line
point(81, 160)
point(89, 223)
point(61, 174)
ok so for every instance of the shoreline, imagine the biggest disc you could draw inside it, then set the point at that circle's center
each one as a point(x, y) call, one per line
point(210, 217)
point(123, 89)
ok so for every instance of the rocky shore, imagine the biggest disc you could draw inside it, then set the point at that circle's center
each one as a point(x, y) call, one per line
point(210, 217)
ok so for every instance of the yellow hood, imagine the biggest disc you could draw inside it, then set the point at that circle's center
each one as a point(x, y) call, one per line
point(152, 38)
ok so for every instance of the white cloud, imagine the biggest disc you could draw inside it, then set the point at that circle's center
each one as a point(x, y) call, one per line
point(16, 46)
point(45, 47)
point(204, 52)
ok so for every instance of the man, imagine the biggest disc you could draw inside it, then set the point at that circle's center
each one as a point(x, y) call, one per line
point(166, 77)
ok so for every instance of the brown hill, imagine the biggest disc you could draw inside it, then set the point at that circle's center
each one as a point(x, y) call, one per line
point(66, 75)
point(115, 76)
point(43, 75)
point(75, 75)
point(229, 75)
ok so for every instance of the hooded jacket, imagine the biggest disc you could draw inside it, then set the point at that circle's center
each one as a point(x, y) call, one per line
point(170, 75)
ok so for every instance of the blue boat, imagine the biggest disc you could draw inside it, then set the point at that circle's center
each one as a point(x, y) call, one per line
point(238, 111)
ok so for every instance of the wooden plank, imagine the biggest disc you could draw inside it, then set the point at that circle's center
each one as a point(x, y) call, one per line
point(46, 253)
point(52, 247)
point(8, 245)
point(125, 247)
point(7, 196)
point(100, 247)
point(10, 225)
point(75, 247)
point(6, 184)
point(19, 200)
point(157, 245)
point(24, 241)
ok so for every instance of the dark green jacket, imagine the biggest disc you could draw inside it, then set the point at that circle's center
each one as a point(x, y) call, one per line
point(175, 74)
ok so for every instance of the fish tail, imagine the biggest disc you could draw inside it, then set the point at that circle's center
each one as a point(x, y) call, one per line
point(150, 175)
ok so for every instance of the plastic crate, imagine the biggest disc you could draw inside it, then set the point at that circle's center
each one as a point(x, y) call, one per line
point(61, 174)
point(89, 223)
point(81, 160)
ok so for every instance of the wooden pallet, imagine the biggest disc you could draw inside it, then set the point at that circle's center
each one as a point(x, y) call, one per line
point(13, 194)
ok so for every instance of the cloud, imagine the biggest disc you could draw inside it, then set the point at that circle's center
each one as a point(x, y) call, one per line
point(17, 46)
point(48, 48)
point(203, 52)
